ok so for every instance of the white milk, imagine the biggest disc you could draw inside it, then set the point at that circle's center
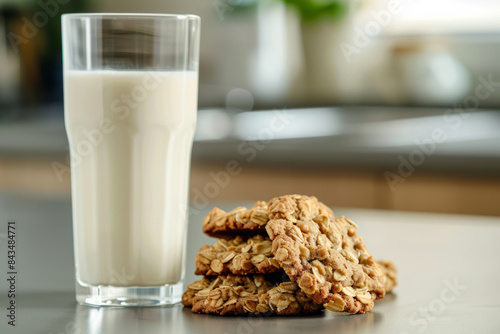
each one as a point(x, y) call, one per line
point(130, 135)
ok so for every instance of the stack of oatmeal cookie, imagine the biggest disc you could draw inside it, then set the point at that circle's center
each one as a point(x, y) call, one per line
point(289, 256)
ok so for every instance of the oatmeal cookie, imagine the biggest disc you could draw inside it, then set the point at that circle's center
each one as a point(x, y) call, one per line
point(254, 294)
point(237, 256)
point(240, 221)
point(390, 272)
point(324, 255)
point(253, 256)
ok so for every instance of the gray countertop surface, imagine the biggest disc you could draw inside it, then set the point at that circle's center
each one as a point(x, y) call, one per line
point(448, 273)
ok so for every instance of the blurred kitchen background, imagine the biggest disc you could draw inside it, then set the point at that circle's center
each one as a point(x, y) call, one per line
point(363, 103)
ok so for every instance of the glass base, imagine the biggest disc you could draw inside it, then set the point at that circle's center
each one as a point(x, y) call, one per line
point(134, 296)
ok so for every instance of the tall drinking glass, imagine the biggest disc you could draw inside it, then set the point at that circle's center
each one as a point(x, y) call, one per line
point(130, 99)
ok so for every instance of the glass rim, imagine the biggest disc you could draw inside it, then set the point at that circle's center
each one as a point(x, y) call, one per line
point(130, 16)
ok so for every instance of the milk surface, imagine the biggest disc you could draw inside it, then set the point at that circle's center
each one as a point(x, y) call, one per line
point(130, 135)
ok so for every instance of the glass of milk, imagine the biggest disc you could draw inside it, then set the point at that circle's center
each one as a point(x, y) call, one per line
point(130, 100)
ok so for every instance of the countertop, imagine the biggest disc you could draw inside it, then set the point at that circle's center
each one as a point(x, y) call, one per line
point(448, 274)
point(359, 137)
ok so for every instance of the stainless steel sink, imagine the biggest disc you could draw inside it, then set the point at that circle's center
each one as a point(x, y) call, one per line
point(357, 136)
point(378, 127)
